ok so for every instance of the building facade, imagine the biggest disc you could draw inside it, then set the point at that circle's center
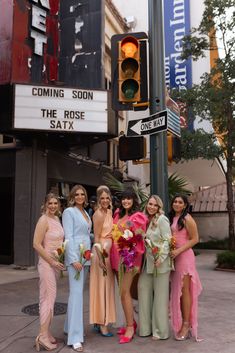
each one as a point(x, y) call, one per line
point(57, 128)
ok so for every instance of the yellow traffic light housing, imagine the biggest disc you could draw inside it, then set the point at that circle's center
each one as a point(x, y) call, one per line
point(173, 148)
point(129, 70)
point(129, 80)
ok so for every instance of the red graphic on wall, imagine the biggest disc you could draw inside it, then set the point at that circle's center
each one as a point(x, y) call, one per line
point(29, 41)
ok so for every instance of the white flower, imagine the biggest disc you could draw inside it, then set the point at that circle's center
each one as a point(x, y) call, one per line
point(82, 247)
point(148, 241)
point(64, 244)
point(98, 246)
point(127, 234)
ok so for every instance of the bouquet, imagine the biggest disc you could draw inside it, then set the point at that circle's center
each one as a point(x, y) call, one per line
point(102, 253)
point(155, 251)
point(85, 255)
point(59, 255)
point(172, 247)
point(127, 238)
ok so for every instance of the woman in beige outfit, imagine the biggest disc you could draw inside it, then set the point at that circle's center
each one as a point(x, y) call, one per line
point(102, 303)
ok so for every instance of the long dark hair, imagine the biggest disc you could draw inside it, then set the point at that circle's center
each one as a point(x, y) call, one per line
point(185, 211)
point(129, 193)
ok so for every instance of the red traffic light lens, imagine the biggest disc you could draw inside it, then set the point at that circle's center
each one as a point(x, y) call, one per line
point(129, 46)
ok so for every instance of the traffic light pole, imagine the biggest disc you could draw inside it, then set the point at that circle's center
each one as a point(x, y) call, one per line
point(158, 142)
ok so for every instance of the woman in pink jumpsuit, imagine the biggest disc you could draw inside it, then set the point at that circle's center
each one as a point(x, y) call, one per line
point(185, 282)
point(48, 237)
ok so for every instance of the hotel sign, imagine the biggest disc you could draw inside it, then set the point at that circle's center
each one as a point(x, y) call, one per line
point(178, 71)
point(60, 109)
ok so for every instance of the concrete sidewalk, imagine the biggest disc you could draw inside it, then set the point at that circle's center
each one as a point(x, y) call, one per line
point(19, 288)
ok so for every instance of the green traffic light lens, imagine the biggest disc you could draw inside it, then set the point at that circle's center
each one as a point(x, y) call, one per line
point(129, 88)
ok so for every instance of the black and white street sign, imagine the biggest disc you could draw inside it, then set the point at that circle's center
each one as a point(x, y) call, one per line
point(147, 126)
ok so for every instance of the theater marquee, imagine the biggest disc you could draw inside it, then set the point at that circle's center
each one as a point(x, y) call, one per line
point(60, 109)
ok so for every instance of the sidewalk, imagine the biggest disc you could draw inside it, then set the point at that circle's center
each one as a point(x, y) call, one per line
point(19, 288)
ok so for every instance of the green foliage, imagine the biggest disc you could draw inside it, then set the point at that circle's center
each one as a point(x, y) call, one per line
point(226, 260)
point(199, 144)
point(176, 185)
point(118, 187)
point(213, 244)
point(214, 98)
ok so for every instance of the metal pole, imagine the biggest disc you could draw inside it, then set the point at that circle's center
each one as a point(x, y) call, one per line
point(158, 142)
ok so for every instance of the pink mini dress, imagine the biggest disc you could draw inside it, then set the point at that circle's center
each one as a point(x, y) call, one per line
point(139, 220)
point(184, 265)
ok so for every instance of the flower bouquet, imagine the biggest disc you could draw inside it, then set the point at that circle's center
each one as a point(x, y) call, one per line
point(85, 255)
point(59, 255)
point(155, 251)
point(102, 254)
point(127, 238)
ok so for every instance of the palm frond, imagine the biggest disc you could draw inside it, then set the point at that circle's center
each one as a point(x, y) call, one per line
point(176, 185)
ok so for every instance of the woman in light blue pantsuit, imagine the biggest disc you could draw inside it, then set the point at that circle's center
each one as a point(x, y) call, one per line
point(153, 285)
point(77, 226)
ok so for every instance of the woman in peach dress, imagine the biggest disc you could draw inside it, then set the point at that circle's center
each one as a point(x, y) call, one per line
point(48, 237)
point(102, 303)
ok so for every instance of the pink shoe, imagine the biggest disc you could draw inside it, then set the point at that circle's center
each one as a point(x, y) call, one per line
point(125, 339)
point(122, 330)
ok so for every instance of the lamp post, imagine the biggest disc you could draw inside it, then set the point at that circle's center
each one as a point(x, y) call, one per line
point(158, 142)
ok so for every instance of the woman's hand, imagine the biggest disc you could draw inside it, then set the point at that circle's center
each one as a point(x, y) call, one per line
point(58, 265)
point(174, 253)
point(77, 265)
point(157, 263)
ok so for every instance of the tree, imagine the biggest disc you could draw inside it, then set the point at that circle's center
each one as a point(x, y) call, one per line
point(214, 98)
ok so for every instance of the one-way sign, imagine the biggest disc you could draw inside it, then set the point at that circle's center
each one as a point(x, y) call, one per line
point(147, 126)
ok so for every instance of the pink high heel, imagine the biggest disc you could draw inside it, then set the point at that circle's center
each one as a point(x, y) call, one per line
point(122, 330)
point(127, 339)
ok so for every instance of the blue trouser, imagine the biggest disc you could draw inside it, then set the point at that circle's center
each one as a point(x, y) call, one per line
point(74, 318)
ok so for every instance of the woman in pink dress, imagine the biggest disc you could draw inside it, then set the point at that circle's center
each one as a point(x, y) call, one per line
point(48, 237)
point(185, 282)
point(102, 302)
point(128, 211)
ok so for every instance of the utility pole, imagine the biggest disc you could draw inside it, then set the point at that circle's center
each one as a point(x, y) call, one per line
point(158, 142)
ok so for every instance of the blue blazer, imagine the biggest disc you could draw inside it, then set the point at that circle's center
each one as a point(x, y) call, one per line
point(77, 231)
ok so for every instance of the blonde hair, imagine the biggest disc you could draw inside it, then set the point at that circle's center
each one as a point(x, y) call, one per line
point(71, 198)
point(48, 197)
point(159, 212)
point(99, 192)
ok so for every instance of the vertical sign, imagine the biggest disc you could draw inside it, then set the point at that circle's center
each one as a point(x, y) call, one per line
point(177, 24)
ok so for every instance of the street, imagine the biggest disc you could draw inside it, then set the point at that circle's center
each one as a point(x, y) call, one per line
point(19, 288)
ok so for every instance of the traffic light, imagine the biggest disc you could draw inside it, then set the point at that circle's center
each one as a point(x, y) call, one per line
point(129, 70)
point(129, 83)
point(173, 148)
point(132, 148)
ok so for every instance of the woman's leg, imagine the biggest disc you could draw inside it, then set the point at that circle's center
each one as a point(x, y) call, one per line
point(74, 323)
point(127, 302)
point(145, 298)
point(47, 296)
point(185, 305)
point(160, 321)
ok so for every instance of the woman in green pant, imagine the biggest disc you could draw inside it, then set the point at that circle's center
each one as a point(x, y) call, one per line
point(153, 285)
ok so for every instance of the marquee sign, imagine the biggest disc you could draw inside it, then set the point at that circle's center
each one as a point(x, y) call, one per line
point(60, 109)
